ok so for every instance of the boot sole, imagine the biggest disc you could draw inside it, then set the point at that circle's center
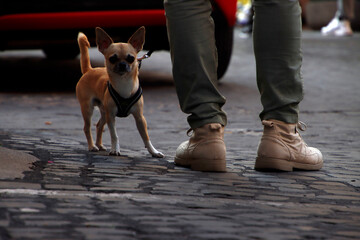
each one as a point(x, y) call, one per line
point(263, 163)
point(204, 165)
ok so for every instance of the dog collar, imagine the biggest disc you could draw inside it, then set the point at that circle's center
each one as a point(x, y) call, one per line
point(124, 104)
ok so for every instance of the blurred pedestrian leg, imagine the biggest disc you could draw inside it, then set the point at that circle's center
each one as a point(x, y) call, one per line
point(340, 25)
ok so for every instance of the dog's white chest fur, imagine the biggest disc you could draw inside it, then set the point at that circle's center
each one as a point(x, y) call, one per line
point(123, 85)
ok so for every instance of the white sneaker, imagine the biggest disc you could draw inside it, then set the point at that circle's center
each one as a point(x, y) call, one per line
point(344, 29)
point(337, 28)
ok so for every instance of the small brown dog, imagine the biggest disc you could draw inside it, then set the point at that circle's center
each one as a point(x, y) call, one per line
point(114, 89)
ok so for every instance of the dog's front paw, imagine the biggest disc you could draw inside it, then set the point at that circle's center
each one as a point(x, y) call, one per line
point(114, 153)
point(158, 154)
point(153, 151)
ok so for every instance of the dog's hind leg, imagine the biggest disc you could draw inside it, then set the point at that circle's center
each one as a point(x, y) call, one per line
point(115, 145)
point(100, 129)
point(87, 112)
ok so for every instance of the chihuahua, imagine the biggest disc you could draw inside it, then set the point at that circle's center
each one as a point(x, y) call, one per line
point(114, 89)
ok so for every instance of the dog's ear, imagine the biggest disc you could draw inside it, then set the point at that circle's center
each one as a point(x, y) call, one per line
point(103, 40)
point(137, 40)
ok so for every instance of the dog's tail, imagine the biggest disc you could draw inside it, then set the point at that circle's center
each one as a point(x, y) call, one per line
point(84, 53)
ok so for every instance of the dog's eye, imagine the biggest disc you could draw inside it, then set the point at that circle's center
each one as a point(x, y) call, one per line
point(130, 59)
point(113, 59)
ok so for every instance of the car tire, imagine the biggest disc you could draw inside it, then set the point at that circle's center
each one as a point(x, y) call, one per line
point(224, 41)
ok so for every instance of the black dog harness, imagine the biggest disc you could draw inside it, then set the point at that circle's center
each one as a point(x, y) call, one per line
point(124, 104)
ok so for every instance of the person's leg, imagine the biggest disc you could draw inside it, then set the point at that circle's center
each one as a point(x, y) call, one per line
point(345, 14)
point(194, 57)
point(277, 47)
point(349, 9)
point(277, 39)
point(340, 13)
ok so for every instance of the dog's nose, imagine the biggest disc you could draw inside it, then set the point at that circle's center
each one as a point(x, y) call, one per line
point(122, 67)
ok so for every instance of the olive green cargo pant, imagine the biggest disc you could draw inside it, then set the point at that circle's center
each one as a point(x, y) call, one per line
point(277, 38)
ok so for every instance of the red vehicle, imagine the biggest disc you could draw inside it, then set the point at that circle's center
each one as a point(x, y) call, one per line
point(53, 25)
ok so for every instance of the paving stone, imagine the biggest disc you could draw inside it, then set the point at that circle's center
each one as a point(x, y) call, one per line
point(13, 203)
point(352, 234)
point(340, 197)
point(46, 223)
point(73, 210)
point(104, 233)
point(37, 233)
point(4, 223)
point(272, 198)
point(63, 187)
point(17, 185)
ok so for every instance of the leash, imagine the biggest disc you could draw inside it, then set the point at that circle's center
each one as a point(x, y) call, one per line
point(145, 56)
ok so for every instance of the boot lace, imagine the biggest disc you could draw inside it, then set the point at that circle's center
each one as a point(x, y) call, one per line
point(301, 125)
point(190, 132)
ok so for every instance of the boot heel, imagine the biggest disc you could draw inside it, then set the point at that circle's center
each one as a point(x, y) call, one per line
point(263, 163)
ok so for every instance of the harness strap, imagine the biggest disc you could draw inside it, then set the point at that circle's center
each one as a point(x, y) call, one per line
point(124, 104)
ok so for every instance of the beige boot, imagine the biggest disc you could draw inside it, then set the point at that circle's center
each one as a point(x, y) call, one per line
point(282, 148)
point(205, 150)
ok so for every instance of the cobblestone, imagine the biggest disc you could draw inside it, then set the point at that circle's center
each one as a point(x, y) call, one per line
point(99, 196)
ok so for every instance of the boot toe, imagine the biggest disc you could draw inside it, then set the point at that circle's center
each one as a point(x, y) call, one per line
point(318, 157)
point(181, 153)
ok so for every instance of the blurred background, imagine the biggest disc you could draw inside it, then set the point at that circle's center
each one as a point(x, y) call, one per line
point(38, 38)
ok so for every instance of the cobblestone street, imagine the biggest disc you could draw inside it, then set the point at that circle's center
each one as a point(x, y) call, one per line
point(69, 193)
